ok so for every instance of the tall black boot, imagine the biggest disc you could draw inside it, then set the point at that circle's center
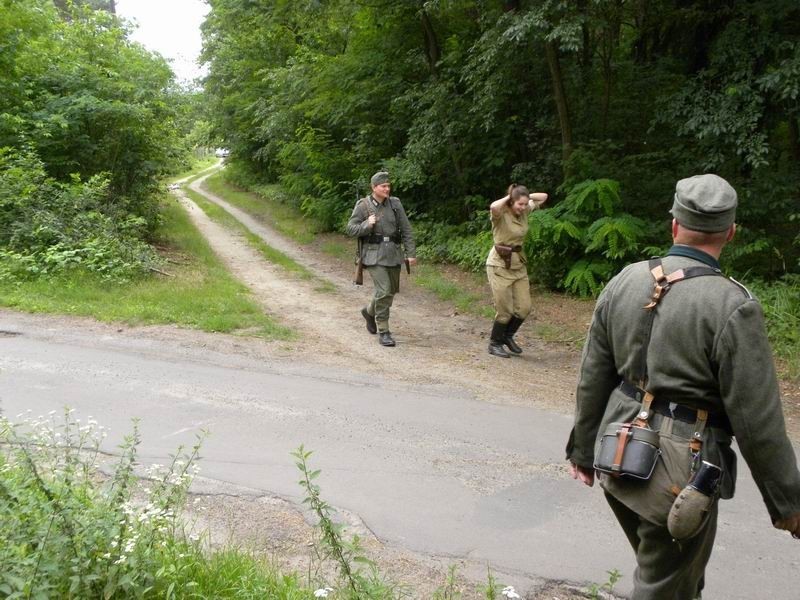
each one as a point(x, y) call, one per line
point(496, 340)
point(513, 326)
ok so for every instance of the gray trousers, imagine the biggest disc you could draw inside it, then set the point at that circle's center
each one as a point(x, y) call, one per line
point(666, 569)
point(386, 283)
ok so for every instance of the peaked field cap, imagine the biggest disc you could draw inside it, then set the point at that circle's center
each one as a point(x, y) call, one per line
point(379, 178)
point(704, 203)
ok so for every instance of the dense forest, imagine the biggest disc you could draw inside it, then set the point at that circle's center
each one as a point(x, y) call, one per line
point(604, 104)
point(90, 123)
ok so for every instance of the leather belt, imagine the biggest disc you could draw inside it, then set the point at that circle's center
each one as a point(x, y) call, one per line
point(679, 412)
point(379, 239)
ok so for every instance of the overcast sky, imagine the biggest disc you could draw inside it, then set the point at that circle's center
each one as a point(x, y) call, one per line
point(171, 28)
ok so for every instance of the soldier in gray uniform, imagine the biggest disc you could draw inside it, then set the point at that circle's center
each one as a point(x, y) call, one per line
point(709, 369)
point(382, 226)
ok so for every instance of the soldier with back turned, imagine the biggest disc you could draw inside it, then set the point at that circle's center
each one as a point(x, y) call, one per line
point(682, 350)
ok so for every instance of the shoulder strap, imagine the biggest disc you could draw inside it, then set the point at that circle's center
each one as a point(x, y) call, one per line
point(365, 200)
point(662, 284)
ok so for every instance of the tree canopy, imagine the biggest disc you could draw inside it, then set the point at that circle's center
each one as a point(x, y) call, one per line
point(458, 98)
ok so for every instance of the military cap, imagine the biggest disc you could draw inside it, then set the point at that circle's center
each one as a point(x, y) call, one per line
point(379, 178)
point(704, 203)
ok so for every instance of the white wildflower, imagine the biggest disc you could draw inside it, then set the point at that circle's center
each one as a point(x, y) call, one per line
point(510, 592)
point(322, 592)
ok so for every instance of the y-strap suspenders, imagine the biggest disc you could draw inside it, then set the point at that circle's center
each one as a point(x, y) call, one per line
point(662, 284)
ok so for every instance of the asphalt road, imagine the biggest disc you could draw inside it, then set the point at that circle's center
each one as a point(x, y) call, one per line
point(429, 469)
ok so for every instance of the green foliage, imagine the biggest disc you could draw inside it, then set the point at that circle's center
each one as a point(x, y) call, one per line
point(359, 577)
point(200, 293)
point(613, 577)
point(64, 536)
point(579, 244)
point(87, 100)
point(459, 98)
point(49, 228)
point(781, 303)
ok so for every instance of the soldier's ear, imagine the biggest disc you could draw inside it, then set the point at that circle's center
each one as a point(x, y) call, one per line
point(731, 233)
point(674, 228)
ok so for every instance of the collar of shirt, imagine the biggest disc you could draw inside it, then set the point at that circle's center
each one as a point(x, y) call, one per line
point(375, 202)
point(689, 252)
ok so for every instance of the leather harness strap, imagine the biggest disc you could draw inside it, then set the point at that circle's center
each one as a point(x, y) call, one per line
point(663, 283)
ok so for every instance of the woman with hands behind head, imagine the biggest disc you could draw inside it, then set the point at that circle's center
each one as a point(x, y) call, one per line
point(506, 266)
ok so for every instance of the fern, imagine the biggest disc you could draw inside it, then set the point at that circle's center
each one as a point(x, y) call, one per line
point(593, 195)
point(617, 237)
point(586, 278)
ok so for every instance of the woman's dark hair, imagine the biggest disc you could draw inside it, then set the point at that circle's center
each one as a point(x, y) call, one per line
point(515, 191)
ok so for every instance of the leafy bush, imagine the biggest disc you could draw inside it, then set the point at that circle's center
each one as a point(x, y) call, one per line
point(48, 227)
point(579, 244)
point(65, 536)
point(438, 242)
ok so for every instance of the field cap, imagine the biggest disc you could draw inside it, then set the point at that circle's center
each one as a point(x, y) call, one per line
point(704, 203)
point(379, 178)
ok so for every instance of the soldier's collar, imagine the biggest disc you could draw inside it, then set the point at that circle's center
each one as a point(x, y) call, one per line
point(375, 202)
point(690, 252)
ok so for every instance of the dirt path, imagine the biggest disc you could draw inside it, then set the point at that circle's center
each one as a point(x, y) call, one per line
point(435, 346)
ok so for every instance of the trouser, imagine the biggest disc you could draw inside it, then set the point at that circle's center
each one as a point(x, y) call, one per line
point(511, 292)
point(666, 569)
point(386, 283)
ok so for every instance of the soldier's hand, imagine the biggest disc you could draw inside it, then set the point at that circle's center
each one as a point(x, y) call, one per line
point(372, 219)
point(582, 473)
point(412, 261)
point(790, 524)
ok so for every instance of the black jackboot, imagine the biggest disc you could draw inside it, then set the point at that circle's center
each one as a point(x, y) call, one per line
point(497, 339)
point(513, 326)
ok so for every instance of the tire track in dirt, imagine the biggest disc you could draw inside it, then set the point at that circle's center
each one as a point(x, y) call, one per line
point(435, 346)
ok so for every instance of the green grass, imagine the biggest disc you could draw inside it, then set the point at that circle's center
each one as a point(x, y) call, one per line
point(339, 248)
point(224, 218)
point(198, 166)
point(431, 278)
point(781, 303)
point(267, 208)
point(200, 294)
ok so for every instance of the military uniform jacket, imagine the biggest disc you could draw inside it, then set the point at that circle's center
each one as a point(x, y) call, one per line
point(392, 221)
point(708, 350)
point(508, 230)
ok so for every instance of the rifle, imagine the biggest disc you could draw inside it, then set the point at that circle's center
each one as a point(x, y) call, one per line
point(358, 278)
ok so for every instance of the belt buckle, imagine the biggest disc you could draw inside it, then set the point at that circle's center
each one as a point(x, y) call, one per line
point(387, 238)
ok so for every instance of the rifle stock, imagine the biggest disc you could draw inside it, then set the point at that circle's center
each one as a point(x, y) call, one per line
point(358, 278)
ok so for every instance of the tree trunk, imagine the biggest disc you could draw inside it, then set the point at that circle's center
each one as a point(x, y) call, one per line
point(794, 139)
point(560, 95)
point(432, 50)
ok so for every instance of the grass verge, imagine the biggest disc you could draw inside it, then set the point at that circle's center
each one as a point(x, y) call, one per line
point(199, 165)
point(200, 292)
point(224, 218)
point(267, 208)
point(434, 280)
